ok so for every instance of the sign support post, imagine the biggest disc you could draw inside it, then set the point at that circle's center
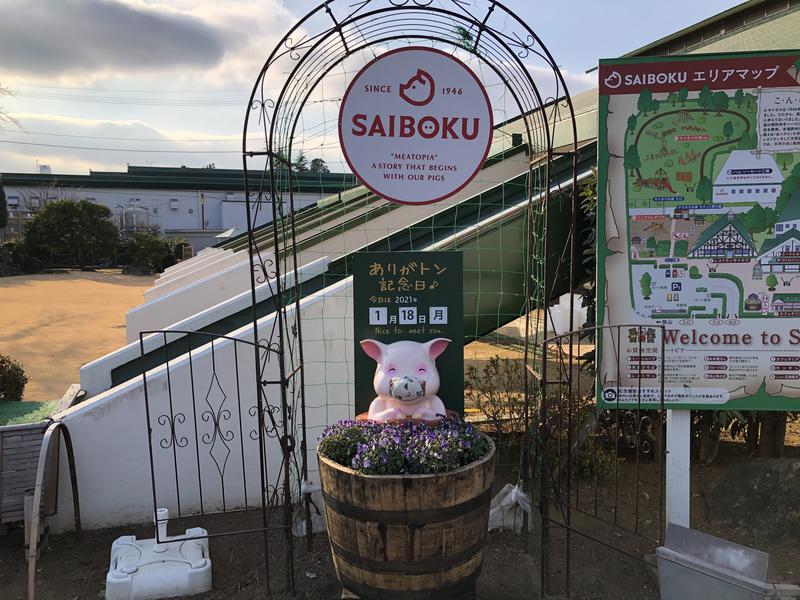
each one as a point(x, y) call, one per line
point(679, 437)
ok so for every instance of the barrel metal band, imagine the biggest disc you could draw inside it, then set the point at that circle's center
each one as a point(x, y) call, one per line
point(407, 517)
point(418, 567)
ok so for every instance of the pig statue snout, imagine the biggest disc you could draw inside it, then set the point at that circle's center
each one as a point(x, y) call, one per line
point(406, 388)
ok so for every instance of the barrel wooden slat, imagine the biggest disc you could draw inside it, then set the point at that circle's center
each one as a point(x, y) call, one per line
point(403, 536)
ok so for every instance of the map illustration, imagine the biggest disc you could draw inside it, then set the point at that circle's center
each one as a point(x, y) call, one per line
point(702, 224)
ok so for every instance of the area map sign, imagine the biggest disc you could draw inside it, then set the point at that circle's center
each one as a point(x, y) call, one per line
point(415, 125)
point(410, 296)
point(699, 230)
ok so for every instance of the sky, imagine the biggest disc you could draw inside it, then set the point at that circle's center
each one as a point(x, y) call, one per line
point(101, 84)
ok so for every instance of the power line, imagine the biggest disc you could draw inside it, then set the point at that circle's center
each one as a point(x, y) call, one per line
point(134, 91)
point(147, 151)
point(129, 139)
point(128, 100)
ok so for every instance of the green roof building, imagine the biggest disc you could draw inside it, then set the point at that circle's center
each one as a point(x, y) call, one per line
point(727, 237)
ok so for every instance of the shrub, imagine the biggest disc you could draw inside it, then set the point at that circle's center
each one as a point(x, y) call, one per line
point(497, 391)
point(395, 448)
point(12, 379)
point(146, 250)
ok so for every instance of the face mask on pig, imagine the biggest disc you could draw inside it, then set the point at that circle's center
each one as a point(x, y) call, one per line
point(406, 379)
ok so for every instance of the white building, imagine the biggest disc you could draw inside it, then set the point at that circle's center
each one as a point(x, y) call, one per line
point(195, 204)
point(748, 177)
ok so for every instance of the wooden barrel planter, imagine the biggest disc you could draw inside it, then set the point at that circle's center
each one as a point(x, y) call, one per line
point(408, 536)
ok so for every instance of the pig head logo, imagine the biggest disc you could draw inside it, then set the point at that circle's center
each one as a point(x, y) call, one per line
point(419, 89)
point(406, 380)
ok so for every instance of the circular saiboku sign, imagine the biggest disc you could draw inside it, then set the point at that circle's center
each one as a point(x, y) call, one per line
point(415, 125)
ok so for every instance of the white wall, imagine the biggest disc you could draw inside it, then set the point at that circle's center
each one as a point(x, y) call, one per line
point(180, 304)
point(96, 375)
point(204, 255)
point(109, 431)
point(187, 276)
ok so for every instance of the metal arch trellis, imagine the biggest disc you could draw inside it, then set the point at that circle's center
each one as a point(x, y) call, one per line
point(317, 44)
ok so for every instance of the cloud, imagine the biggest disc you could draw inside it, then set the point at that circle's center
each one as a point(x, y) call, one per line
point(76, 145)
point(75, 36)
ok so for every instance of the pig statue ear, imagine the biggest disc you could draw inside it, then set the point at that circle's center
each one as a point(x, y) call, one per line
point(436, 347)
point(374, 349)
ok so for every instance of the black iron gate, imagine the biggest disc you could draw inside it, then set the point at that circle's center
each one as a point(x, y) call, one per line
point(218, 444)
point(599, 470)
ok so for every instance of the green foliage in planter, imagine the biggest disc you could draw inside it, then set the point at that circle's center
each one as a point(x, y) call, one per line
point(12, 379)
point(375, 448)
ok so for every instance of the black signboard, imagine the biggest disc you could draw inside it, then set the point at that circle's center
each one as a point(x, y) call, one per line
point(414, 296)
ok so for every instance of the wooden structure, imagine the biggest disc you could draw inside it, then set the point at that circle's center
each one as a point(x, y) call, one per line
point(20, 446)
point(19, 455)
point(408, 536)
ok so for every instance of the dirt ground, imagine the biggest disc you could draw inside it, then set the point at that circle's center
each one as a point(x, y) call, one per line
point(78, 562)
point(73, 565)
point(55, 323)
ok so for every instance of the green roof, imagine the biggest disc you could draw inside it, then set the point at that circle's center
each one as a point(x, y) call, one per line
point(732, 30)
point(771, 243)
point(791, 212)
point(718, 226)
point(786, 297)
point(181, 178)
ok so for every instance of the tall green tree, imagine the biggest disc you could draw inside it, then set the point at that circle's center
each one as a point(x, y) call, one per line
point(720, 101)
point(738, 97)
point(705, 98)
point(301, 163)
point(727, 130)
point(683, 94)
point(645, 283)
point(632, 161)
point(632, 120)
point(318, 165)
point(79, 232)
point(770, 218)
point(672, 98)
point(645, 102)
point(755, 219)
point(704, 190)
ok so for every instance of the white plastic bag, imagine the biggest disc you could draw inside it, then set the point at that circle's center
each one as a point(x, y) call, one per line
point(507, 508)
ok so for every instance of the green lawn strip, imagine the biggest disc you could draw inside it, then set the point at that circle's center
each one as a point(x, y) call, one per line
point(724, 299)
point(738, 283)
point(17, 413)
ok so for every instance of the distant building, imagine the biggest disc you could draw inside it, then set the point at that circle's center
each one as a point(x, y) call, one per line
point(726, 238)
point(780, 254)
point(752, 303)
point(790, 216)
point(748, 177)
point(786, 305)
point(195, 204)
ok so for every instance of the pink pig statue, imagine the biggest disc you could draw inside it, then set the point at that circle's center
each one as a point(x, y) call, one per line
point(406, 379)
